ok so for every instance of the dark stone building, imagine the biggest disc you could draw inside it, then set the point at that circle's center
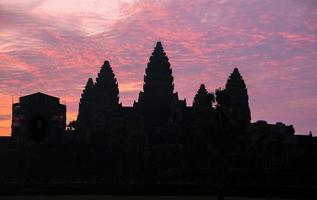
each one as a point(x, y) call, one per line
point(160, 141)
point(38, 117)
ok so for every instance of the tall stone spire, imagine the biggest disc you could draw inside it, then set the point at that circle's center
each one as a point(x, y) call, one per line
point(98, 103)
point(235, 82)
point(158, 80)
point(106, 88)
point(85, 113)
point(238, 97)
point(203, 99)
point(86, 96)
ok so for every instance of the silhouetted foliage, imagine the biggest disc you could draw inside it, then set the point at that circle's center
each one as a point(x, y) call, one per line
point(72, 127)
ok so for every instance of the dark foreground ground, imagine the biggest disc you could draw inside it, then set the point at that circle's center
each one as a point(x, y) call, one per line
point(96, 191)
point(105, 197)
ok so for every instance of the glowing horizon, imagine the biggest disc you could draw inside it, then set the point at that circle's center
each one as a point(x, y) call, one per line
point(54, 47)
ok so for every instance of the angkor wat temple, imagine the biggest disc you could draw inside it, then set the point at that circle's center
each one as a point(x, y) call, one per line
point(158, 142)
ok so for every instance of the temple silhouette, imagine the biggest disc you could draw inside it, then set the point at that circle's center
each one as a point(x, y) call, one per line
point(159, 144)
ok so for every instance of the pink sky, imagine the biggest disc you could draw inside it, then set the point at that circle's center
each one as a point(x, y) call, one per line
point(54, 46)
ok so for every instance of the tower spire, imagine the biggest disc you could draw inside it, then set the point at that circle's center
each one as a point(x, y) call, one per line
point(158, 80)
point(238, 97)
point(203, 99)
point(85, 111)
point(106, 87)
point(98, 102)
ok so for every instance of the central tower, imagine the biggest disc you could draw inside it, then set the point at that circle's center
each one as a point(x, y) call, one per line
point(158, 81)
point(157, 102)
